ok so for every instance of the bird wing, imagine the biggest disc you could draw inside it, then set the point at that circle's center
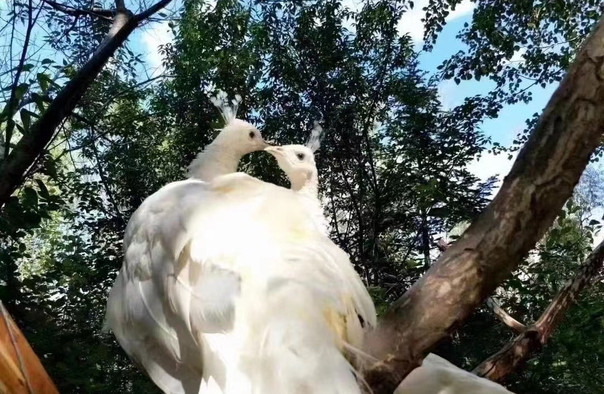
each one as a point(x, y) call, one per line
point(163, 298)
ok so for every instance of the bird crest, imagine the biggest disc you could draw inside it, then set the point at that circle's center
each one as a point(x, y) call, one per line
point(227, 109)
point(316, 135)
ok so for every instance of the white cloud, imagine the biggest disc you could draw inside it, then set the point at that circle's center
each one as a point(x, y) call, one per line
point(152, 38)
point(490, 165)
point(462, 9)
point(411, 22)
point(447, 93)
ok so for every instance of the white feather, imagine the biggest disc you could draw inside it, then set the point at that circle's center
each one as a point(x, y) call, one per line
point(438, 376)
point(231, 284)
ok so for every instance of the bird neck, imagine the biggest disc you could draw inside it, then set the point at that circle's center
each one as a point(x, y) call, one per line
point(215, 160)
point(306, 183)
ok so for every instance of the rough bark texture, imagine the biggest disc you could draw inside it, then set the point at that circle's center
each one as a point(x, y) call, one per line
point(541, 180)
point(31, 145)
point(20, 368)
point(529, 342)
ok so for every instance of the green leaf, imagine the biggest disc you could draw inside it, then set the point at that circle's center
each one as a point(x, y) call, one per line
point(25, 119)
point(21, 90)
point(44, 81)
point(30, 197)
point(39, 100)
point(43, 190)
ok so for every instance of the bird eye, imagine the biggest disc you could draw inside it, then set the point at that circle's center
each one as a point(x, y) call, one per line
point(300, 156)
point(252, 134)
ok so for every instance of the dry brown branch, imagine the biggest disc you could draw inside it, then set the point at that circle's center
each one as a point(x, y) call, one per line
point(541, 180)
point(20, 368)
point(525, 345)
point(505, 317)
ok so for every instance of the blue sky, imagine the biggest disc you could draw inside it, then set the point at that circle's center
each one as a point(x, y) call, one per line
point(502, 129)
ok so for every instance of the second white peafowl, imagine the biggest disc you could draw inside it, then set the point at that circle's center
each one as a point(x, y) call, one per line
point(298, 164)
point(229, 287)
point(436, 375)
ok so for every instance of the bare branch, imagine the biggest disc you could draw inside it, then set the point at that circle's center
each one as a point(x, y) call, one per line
point(152, 10)
point(541, 180)
point(13, 101)
point(69, 10)
point(505, 317)
point(119, 5)
point(525, 345)
point(20, 368)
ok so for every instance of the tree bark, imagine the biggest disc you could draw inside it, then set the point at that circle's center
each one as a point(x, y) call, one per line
point(525, 345)
point(540, 181)
point(31, 145)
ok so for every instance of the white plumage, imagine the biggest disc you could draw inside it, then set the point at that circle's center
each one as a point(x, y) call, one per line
point(245, 279)
point(438, 376)
point(231, 286)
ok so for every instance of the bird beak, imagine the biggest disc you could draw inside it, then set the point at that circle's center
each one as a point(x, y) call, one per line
point(267, 145)
point(274, 150)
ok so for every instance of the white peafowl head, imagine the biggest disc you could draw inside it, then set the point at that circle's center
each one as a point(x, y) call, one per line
point(237, 134)
point(236, 139)
point(298, 161)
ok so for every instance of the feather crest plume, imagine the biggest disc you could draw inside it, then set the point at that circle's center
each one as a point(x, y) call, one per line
point(316, 135)
point(227, 109)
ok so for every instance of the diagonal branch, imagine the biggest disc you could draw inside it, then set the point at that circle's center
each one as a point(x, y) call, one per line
point(505, 318)
point(525, 345)
point(541, 180)
point(31, 145)
point(152, 10)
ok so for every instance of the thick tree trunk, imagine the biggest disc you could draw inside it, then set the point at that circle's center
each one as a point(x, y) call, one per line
point(525, 345)
point(31, 145)
point(541, 180)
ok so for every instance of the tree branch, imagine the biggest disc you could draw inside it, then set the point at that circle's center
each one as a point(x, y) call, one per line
point(152, 10)
point(13, 102)
point(505, 317)
point(69, 10)
point(31, 145)
point(541, 180)
point(525, 345)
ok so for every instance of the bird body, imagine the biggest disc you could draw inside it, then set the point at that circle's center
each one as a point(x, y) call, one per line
point(236, 270)
point(436, 375)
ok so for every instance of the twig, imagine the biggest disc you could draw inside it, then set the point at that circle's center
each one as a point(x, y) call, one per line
point(505, 317)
